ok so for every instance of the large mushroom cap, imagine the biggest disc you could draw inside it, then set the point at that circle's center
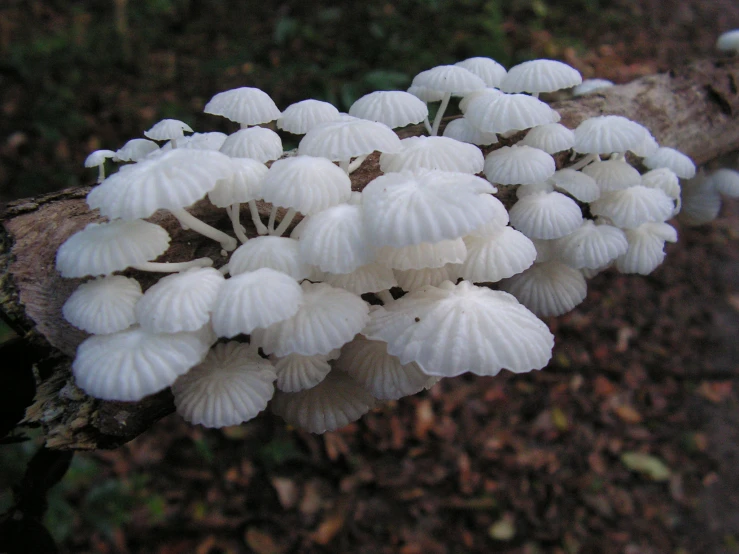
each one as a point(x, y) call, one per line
point(393, 108)
point(487, 69)
point(256, 143)
point(104, 305)
point(537, 76)
point(452, 79)
point(519, 165)
point(608, 134)
point(348, 138)
point(442, 153)
point(168, 129)
point(508, 112)
point(278, 253)
point(301, 117)
point(245, 105)
point(548, 288)
point(546, 215)
point(672, 159)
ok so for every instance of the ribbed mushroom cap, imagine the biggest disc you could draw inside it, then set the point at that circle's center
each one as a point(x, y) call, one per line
point(497, 256)
point(171, 181)
point(345, 139)
point(278, 253)
point(394, 108)
point(497, 216)
point(509, 112)
point(701, 202)
point(424, 94)
point(135, 150)
point(168, 129)
point(400, 209)
point(581, 186)
point(254, 299)
point(442, 153)
point(335, 240)
point(525, 190)
point(104, 305)
point(633, 206)
point(257, 143)
point(180, 302)
point(134, 363)
point(414, 279)
point(728, 41)
point(607, 134)
point(301, 117)
point(296, 372)
point(613, 175)
point(333, 403)
point(647, 147)
point(199, 141)
point(665, 180)
point(726, 182)
point(591, 85)
point(550, 138)
point(548, 289)
point(460, 129)
point(373, 277)
point(546, 215)
point(537, 76)
point(232, 385)
point(453, 329)
point(487, 69)
point(327, 319)
point(449, 79)
point(102, 248)
point(245, 183)
point(592, 246)
point(98, 157)
point(425, 254)
point(646, 248)
point(519, 165)
point(672, 159)
point(490, 92)
point(307, 184)
point(368, 362)
point(245, 105)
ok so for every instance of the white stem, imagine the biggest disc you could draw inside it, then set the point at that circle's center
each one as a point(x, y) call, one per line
point(173, 267)
point(440, 113)
point(617, 156)
point(173, 143)
point(261, 228)
point(271, 222)
point(356, 163)
point(385, 296)
point(101, 173)
point(224, 269)
point(344, 164)
point(585, 161)
point(535, 94)
point(285, 223)
point(227, 242)
point(427, 124)
point(233, 213)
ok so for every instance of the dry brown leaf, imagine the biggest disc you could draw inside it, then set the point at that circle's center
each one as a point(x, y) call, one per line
point(287, 491)
point(329, 527)
point(425, 418)
point(715, 391)
point(262, 543)
point(628, 414)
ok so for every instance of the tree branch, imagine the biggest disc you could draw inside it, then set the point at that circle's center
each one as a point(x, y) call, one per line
point(694, 109)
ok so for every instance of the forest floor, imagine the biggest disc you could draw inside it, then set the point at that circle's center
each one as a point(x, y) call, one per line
point(628, 442)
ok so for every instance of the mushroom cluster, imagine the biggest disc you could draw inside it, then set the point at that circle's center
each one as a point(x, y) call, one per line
point(373, 295)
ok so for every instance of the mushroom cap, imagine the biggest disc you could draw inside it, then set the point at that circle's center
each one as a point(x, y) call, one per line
point(180, 302)
point(254, 299)
point(490, 71)
point(394, 108)
point(631, 207)
point(256, 143)
point(245, 183)
point(171, 181)
point(278, 253)
point(728, 41)
point(135, 150)
point(460, 129)
point(442, 153)
point(104, 305)
point(368, 362)
point(546, 215)
point(400, 209)
point(296, 372)
point(612, 175)
point(537, 76)
point(415, 279)
point(335, 240)
point(548, 289)
point(451, 79)
point(98, 157)
point(497, 256)
point(134, 363)
point(452, 329)
point(348, 138)
point(465, 102)
point(301, 117)
point(664, 179)
point(333, 403)
point(102, 248)
point(519, 165)
point(199, 141)
point(701, 202)
point(672, 159)
point(607, 134)
point(726, 182)
point(550, 138)
point(327, 319)
point(581, 186)
point(231, 385)
point(591, 85)
point(305, 183)
point(424, 94)
point(425, 254)
point(592, 246)
point(508, 112)
point(646, 248)
point(168, 129)
point(372, 277)
point(245, 105)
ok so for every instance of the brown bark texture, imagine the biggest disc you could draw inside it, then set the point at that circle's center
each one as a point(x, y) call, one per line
point(694, 109)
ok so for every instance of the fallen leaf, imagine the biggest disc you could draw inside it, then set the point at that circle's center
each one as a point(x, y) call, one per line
point(287, 491)
point(628, 414)
point(715, 391)
point(328, 528)
point(261, 543)
point(503, 529)
point(646, 464)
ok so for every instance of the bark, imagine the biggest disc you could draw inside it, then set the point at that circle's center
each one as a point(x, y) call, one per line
point(694, 109)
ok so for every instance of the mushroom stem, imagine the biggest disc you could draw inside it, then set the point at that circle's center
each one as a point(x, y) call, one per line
point(585, 161)
point(261, 227)
point(224, 269)
point(173, 267)
point(271, 222)
point(233, 213)
point(427, 124)
point(358, 161)
point(440, 113)
point(344, 164)
point(385, 296)
point(227, 242)
point(101, 172)
point(285, 223)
